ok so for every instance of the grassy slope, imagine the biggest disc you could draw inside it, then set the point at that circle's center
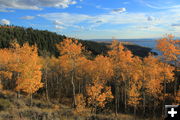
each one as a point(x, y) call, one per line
point(12, 108)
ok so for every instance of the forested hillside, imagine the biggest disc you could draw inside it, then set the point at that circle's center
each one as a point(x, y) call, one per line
point(46, 41)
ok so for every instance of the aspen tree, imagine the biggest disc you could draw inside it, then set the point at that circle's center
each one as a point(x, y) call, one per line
point(29, 67)
point(70, 52)
point(98, 94)
point(26, 62)
point(170, 49)
point(121, 59)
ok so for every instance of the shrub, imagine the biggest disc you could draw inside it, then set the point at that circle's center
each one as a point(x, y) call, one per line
point(4, 104)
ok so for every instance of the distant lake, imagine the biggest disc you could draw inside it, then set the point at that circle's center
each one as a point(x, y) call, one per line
point(151, 43)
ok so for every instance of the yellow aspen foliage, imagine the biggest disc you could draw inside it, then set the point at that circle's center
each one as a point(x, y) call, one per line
point(169, 47)
point(98, 94)
point(135, 83)
point(6, 74)
point(49, 63)
point(70, 59)
point(83, 67)
point(29, 67)
point(6, 58)
point(134, 95)
point(167, 71)
point(160, 73)
point(71, 53)
point(119, 53)
point(70, 47)
point(103, 68)
point(135, 70)
point(154, 80)
point(24, 61)
point(121, 58)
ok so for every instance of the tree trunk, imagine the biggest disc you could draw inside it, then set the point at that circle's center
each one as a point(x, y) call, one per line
point(18, 94)
point(135, 112)
point(125, 99)
point(175, 80)
point(144, 95)
point(125, 94)
point(46, 86)
point(79, 89)
point(60, 84)
point(122, 94)
point(30, 100)
point(144, 92)
point(163, 105)
point(144, 103)
point(116, 99)
point(84, 86)
point(74, 92)
point(154, 109)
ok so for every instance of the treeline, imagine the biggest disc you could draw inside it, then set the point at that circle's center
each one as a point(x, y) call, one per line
point(44, 40)
point(118, 82)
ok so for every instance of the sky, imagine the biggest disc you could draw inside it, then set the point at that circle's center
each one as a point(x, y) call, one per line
point(95, 19)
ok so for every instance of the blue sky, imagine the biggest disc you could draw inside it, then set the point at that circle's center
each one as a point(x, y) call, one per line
point(96, 19)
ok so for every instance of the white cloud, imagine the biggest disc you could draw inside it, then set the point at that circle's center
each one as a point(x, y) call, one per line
point(5, 21)
point(175, 24)
point(5, 10)
point(56, 22)
point(59, 27)
point(35, 4)
point(160, 4)
point(120, 18)
point(125, 3)
point(66, 18)
point(150, 18)
point(110, 18)
point(28, 17)
point(162, 21)
point(78, 6)
point(102, 8)
point(119, 10)
point(64, 22)
point(72, 2)
point(150, 28)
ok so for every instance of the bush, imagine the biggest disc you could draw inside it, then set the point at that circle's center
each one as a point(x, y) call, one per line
point(4, 104)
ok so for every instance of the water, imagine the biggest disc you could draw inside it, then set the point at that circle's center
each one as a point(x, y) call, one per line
point(149, 44)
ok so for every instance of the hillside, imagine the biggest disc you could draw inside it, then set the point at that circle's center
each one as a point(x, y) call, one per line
point(13, 108)
point(46, 41)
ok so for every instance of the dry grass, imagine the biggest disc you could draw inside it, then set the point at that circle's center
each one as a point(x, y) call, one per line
point(19, 109)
